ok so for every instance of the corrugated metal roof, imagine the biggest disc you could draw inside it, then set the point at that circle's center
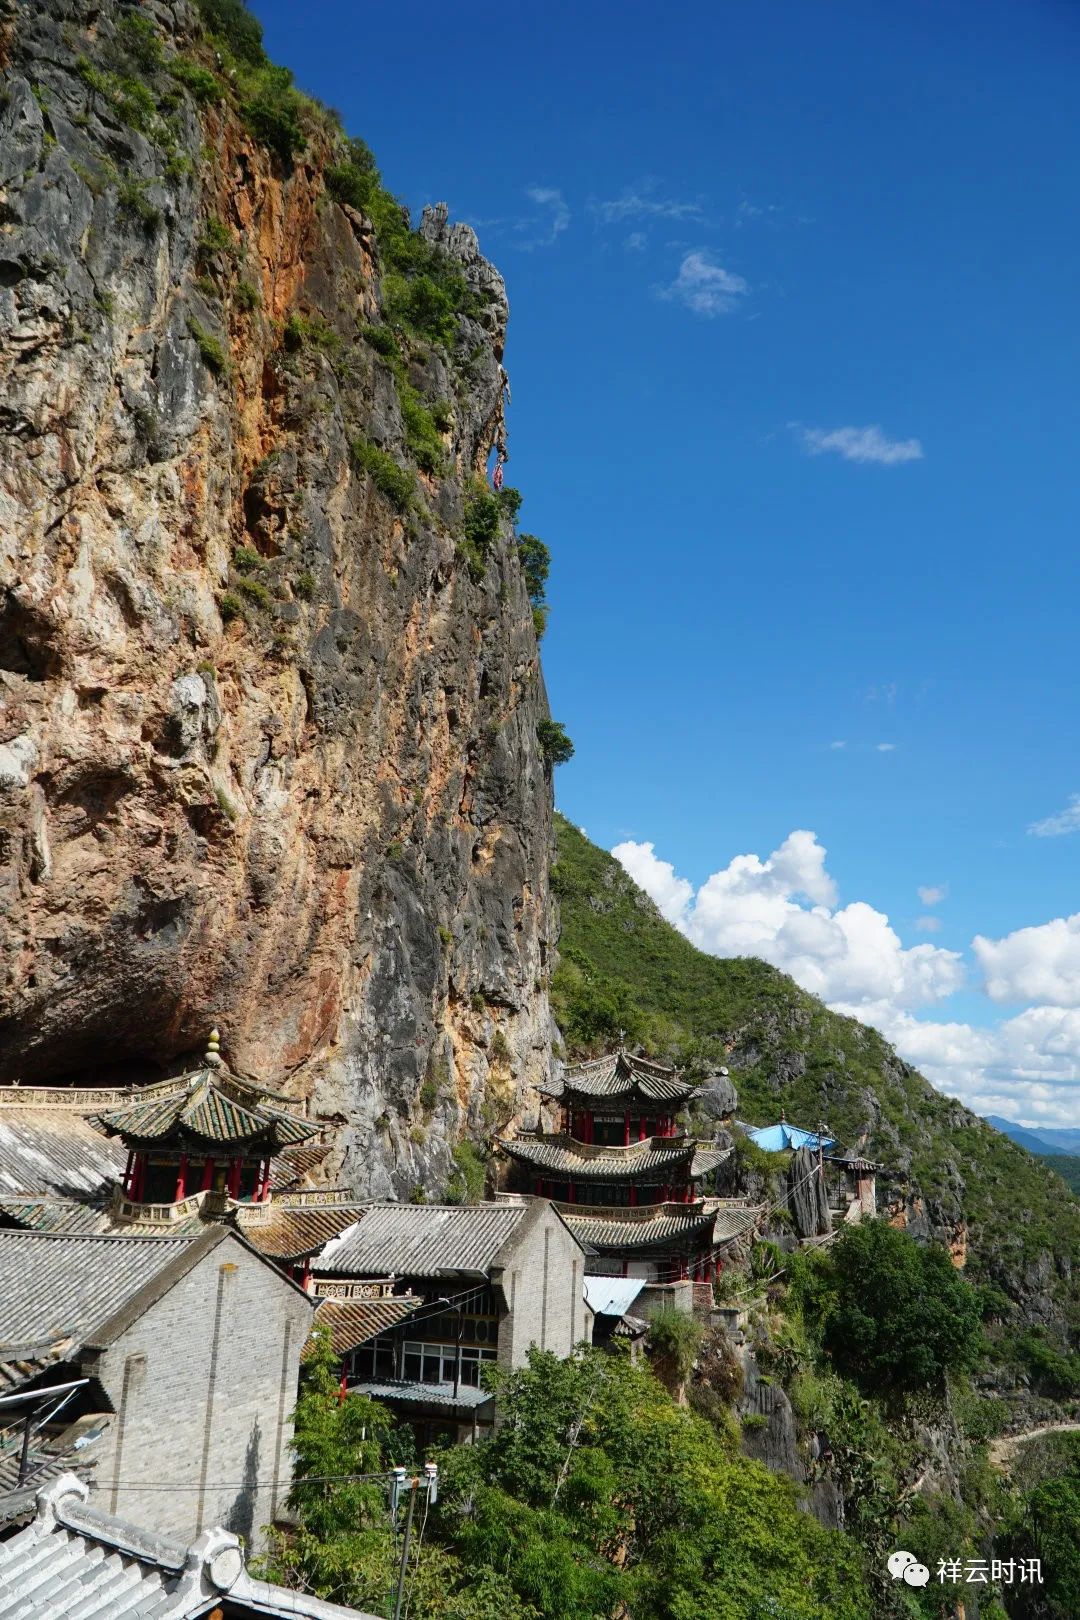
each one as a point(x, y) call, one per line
point(355, 1321)
point(73, 1561)
point(621, 1075)
point(290, 1234)
point(467, 1398)
point(563, 1154)
point(53, 1285)
point(45, 1150)
point(422, 1240)
point(612, 1296)
point(782, 1137)
point(213, 1107)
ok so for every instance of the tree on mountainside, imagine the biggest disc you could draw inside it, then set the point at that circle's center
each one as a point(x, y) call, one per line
point(596, 1495)
point(894, 1314)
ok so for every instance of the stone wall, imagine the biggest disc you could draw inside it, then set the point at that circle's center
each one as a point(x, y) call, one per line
point(203, 1385)
point(543, 1283)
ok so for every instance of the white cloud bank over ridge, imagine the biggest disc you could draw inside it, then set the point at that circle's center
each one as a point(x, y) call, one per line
point(865, 444)
point(785, 910)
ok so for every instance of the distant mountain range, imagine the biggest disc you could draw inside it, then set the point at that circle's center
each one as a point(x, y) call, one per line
point(1047, 1140)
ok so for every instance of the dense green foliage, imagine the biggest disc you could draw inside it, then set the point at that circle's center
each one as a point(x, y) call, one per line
point(598, 1495)
point(623, 967)
point(556, 745)
point(894, 1314)
point(1045, 1524)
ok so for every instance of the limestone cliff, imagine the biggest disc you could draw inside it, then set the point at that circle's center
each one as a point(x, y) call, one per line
point(268, 714)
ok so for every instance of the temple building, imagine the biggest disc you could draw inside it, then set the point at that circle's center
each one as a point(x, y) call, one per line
point(211, 1133)
point(166, 1158)
point(626, 1175)
point(419, 1298)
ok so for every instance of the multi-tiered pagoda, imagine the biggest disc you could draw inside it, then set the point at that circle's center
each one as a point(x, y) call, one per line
point(626, 1175)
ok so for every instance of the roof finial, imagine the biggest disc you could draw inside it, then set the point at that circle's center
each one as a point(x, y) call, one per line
point(214, 1059)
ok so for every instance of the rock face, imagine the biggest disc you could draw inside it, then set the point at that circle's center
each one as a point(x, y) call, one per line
point(268, 746)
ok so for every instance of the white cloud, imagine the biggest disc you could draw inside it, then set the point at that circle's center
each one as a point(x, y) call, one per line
point(1033, 964)
point(1026, 1068)
point(932, 894)
point(784, 909)
point(928, 925)
point(640, 203)
point(672, 894)
point(557, 214)
point(864, 444)
point(635, 242)
point(838, 745)
point(1066, 821)
point(705, 287)
point(886, 748)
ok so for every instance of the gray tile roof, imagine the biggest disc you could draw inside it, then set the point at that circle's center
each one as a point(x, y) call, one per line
point(352, 1322)
point(667, 1223)
point(563, 1154)
point(422, 1240)
point(68, 1284)
point(623, 1076)
point(606, 1230)
point(73, 1561)
point(55, 1151)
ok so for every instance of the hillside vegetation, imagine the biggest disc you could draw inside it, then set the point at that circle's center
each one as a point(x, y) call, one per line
point(622, 966)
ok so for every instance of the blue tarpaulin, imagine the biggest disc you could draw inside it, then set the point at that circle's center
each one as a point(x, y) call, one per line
point(780, 1138)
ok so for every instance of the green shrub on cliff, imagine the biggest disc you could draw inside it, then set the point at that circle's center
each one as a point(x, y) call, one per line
point(398, 484)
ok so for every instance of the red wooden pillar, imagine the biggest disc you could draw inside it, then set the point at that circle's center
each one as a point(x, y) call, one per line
point(641, 1130)
point(624, 1271)
point(234, 1178)
point(633, 1195)
point(571, 1193)
point(181, 1179)
point(207, 1176)
point(626, 1129)
point(139, 1184)
point(129, 1172)
point(538, 1186)
point(305, 1281)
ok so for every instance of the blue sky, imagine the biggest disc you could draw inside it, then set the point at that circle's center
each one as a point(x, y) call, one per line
point(735, 243)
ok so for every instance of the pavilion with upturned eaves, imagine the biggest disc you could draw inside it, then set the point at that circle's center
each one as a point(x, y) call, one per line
point(212, 1132)
point(626, 1174)
point(204, 1146)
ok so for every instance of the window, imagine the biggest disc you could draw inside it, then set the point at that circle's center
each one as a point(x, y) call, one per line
point(435, 1363)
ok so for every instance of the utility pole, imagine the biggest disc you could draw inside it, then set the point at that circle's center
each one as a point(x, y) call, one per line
point(431, 1485)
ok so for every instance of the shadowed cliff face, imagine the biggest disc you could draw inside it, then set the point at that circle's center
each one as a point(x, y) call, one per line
point(268, 748)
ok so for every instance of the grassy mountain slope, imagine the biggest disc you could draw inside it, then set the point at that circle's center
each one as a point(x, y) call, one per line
point(1065, 1165)
point(623, 967)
